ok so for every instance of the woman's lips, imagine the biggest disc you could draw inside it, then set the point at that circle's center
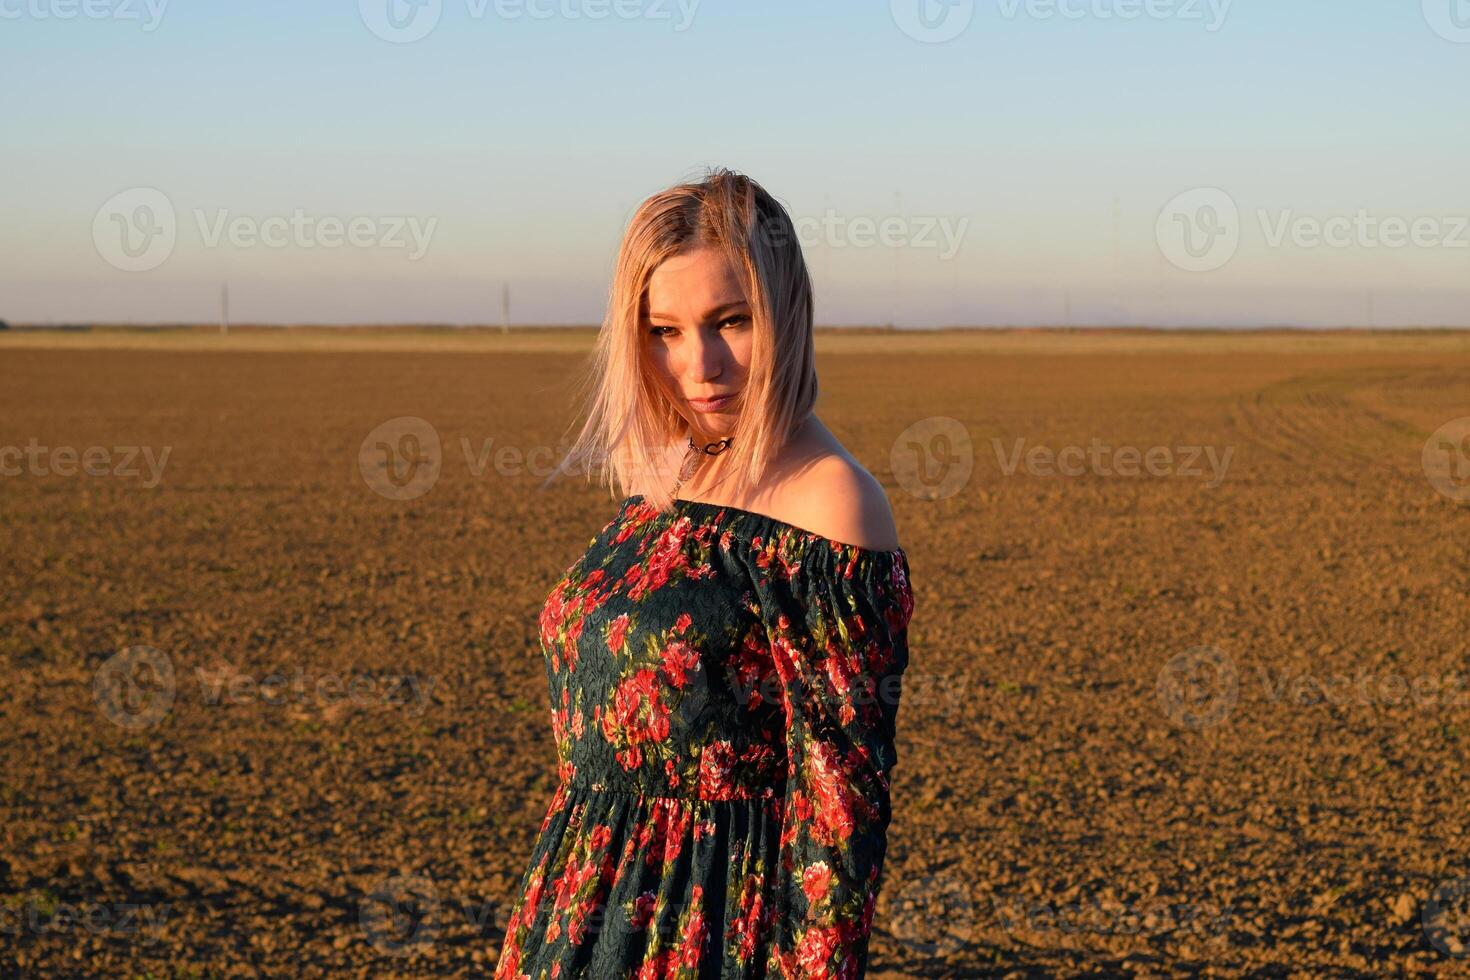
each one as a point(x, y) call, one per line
point(712, 404)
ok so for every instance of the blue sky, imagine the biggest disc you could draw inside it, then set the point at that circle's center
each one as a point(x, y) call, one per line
point(1027, 170)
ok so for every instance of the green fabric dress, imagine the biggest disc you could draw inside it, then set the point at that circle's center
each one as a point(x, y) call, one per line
point(724, 687)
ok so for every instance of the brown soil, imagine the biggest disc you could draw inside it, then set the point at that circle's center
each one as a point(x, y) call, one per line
point(1155, 725)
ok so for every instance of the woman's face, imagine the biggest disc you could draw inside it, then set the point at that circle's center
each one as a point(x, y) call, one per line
point(697, 330)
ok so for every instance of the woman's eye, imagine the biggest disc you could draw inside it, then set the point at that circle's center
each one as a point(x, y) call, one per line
point(661, 330)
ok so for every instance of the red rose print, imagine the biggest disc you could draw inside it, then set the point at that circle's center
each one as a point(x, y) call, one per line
point(713, 677)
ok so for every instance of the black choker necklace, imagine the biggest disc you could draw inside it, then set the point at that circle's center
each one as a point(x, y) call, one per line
point(713, 448)
point(691, 460)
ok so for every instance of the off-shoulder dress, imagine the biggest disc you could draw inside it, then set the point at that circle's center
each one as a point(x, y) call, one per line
point(724, 688)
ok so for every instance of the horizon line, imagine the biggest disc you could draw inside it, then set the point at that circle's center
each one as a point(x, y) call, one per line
point(200, 327)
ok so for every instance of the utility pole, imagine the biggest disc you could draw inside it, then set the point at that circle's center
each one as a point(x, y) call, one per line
point(826, 245)
point(1117, 250)
point(893, 314)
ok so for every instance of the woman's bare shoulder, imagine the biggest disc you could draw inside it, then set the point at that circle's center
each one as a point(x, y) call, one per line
point(834, 496)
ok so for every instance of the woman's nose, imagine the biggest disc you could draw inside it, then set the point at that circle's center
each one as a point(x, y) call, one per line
point(706, 359)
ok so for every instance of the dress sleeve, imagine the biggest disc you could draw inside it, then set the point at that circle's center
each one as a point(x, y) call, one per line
point(837, 621)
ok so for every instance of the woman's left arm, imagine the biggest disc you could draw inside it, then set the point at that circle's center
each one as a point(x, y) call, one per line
point(838, 628)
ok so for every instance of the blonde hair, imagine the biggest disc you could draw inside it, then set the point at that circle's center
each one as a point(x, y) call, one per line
point(630, 423)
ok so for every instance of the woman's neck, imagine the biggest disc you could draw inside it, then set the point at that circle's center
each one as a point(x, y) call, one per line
point(702, 438)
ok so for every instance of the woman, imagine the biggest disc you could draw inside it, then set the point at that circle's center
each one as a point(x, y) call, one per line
point(724, 659)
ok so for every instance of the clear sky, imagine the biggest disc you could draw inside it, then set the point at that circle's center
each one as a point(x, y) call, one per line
point(1027, 169)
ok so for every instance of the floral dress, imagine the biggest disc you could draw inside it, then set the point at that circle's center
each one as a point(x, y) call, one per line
point(724, 687)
